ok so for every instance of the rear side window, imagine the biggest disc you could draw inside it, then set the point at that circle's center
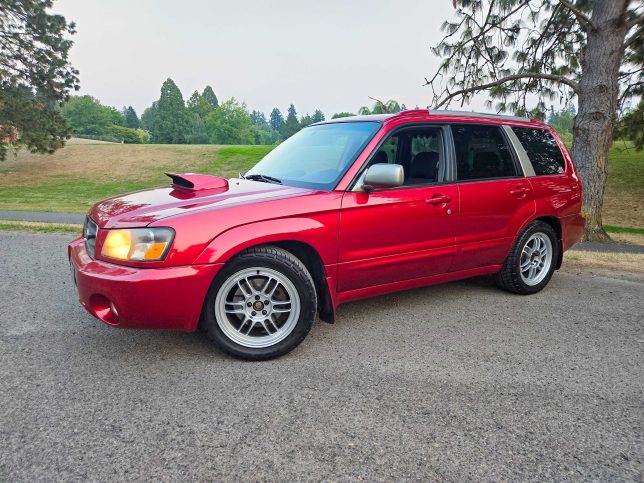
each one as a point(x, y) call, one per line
point(542, 149)
point(482, 152)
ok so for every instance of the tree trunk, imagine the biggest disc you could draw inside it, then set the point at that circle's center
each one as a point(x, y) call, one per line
point(598, 91)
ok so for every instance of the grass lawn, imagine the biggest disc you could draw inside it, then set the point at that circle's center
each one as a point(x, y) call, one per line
point(83, 172)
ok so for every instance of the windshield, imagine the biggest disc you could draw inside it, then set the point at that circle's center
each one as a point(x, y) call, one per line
point(317, 156)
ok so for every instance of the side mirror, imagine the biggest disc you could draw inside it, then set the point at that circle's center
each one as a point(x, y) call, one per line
point(380, 176)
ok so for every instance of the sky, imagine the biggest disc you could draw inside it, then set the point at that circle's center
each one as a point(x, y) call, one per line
point(317, 54)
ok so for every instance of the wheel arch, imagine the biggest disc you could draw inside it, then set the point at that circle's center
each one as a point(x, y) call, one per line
point(555, 223)
point(311, 241)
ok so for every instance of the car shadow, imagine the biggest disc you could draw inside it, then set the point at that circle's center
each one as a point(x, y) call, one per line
point(158, 346)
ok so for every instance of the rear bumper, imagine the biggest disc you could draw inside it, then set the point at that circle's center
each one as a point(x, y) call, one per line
point(142, 298)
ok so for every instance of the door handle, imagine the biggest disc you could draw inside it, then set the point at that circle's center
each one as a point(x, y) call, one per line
point(520, 191)
point(438, 200)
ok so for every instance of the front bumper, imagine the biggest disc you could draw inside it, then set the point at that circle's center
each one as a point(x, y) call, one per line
point(141, 298)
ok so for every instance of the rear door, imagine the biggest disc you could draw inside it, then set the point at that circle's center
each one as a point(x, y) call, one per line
point(403, 233)
point(495, 198)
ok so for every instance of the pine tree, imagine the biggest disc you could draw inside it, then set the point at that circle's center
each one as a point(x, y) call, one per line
point(131, 119)
point(147, 118)
point(172, 121)
point(210, 96)
point(35, 76)
point(198, 104)
point(291, 125)
point(306, 121)
point(318, 116)
point(258, 118)
point(276, 120)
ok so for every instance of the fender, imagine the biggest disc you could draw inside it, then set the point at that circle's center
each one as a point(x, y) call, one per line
point(319, 231)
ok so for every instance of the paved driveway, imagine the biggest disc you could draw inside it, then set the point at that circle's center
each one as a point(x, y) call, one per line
point(453, 382)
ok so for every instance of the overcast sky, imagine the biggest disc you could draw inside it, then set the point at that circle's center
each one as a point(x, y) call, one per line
point(329, 54)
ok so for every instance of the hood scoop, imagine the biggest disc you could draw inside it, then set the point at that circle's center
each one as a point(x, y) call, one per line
point(197, 182)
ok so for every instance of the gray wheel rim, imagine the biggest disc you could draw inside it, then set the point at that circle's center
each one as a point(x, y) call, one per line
point(536, 259)
point(257, 307)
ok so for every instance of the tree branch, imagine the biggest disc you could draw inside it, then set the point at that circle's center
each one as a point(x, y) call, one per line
point(532, 75)
point(584, 21)
point(635, 36)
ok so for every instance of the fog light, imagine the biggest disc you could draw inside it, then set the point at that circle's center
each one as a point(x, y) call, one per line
point(102, 308)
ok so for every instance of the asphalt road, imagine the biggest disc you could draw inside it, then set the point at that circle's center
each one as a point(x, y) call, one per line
point(454, 382)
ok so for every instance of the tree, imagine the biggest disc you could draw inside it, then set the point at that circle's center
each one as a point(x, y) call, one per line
point(338, 115)
point(264, 134)
point(147, 118)
point(171, 121)
point(86, 115)
point(210, 96)
point(35, 76)
point(276, 120)
point(317, 116)
point(591, 50)
point(380, 107)
point(564, 120)
point(131, 119)
point(198, 104)
point(258, 118)
point(198, 133)
point(631, 126)
point(291, 125)
point(306, 121)
point(230, 124)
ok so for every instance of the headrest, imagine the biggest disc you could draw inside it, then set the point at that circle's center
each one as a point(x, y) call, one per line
point(424, 165)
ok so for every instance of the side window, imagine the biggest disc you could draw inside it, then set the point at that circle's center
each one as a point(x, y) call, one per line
point(418, 150)
point(482, 152)
point(542, 149)
point(425, 163)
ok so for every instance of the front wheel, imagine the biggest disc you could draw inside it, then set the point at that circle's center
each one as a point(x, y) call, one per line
point(531, 262)
point(261, 305)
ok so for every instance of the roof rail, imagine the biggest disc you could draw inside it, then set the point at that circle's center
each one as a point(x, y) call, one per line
point(477, 114)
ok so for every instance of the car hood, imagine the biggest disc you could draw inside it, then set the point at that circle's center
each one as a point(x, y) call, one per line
point(144, 207)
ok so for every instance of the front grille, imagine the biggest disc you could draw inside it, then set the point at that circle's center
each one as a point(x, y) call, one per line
point(90, 230)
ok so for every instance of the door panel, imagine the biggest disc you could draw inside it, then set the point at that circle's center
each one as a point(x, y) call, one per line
point(491, 214)
point(399, 234)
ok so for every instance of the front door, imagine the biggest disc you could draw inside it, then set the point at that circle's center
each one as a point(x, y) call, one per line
point(403, 233)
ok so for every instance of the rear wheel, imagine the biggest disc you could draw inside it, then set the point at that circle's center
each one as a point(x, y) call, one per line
point(261, 305)
point(531, 262)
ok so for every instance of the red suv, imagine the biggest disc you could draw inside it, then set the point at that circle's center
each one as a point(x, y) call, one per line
point(342, 210)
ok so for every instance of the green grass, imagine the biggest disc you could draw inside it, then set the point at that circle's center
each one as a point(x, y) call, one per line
point(624, 229)
point(79, 175)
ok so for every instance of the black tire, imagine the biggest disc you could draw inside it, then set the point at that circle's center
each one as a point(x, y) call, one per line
point(509, 277)
point(288, 265)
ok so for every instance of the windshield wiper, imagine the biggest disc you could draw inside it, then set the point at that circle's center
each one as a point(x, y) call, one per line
point(262, 177)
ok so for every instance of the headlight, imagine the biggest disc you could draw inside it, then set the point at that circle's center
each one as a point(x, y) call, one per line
point(138, 244)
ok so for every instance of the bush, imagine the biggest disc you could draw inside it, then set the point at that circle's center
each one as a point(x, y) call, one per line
point(129, 135)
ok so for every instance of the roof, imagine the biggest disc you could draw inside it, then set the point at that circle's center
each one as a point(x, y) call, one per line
point(430, 113)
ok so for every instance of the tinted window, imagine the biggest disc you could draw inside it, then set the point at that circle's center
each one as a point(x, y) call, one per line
point(481, 152)
point(542, 149)
point(317, 156)
point(419, 153)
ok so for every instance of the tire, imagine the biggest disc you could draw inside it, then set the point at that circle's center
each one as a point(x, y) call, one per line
point(520, 273)
point(261, 305)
